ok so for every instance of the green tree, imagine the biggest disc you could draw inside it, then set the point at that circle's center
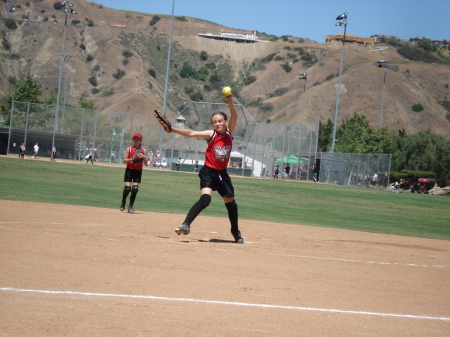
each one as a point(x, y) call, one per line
point(51, 98)
point(86, 104)
point(355, 135)
point(325, 134)
point(427, 45)
point(27, 90)
point(424, 151)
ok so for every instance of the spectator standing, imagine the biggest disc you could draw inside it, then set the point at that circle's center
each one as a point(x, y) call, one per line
point(316, 173)
point(53, 157)
point(22, 151)
point(36, 150)
point(287, 171)
point(276, 172)
point(374, 179)
point(196, 166)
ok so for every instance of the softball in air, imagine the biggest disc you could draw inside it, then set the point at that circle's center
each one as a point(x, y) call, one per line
point(227, 91)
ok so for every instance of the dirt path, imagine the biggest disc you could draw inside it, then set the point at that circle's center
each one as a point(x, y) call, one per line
point(78, 271)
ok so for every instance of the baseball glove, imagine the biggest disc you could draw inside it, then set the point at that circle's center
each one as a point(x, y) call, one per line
point(136, 159)
point(163, 121)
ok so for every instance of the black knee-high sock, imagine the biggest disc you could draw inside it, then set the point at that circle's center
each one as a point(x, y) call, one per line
point(233, 215)
point(134, 190)
point(126, 191)
point(199, 206)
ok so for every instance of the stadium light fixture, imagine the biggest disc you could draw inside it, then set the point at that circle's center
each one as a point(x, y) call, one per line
point(383, 64)
point(343, 23)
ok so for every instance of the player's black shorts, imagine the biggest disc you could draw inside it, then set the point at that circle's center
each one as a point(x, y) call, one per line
point(132, 175)
point(217, 181)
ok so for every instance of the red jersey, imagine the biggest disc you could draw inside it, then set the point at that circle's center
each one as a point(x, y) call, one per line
point(131, 152)
point(219, 150)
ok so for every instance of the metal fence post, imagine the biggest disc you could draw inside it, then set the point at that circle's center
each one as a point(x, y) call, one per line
point(10, 126)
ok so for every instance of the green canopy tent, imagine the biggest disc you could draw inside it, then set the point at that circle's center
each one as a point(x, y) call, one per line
point(291, 159)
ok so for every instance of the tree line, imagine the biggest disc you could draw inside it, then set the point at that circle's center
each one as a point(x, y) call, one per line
point(423, 151)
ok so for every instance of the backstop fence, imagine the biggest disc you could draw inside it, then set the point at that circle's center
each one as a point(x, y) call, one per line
point(257, 148)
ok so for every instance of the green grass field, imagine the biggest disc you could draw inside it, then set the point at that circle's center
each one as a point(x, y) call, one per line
point(361, 209)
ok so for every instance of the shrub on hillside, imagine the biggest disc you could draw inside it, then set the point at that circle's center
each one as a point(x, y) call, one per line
point(418, 54)
point(203, 55)
point(249, 80)
point(268, 58)
point(286, 67)
point(93, 81)
point(127, 53)
point(417, 107)
point(11, 24)
point(214, 79)
point(187, 70)
point(154, 20)
point(196, 96)
point(279, 92)
point(58, 5)
point(119, 74)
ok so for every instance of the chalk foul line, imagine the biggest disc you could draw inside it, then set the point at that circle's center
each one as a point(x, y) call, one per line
point(241, 304)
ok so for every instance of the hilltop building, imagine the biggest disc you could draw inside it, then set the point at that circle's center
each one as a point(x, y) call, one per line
point(242, 36)
point(367, 41)
point(245, 34)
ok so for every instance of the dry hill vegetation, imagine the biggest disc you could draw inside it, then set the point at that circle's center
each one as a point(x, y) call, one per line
point(123, 69)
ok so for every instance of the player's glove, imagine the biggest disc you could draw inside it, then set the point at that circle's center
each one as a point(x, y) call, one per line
point(136, 159)
point(163, 121)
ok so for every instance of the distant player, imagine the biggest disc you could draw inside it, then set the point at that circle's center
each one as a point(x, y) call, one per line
point(134, 157)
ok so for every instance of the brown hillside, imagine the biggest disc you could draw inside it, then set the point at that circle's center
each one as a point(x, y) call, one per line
point(35, 47)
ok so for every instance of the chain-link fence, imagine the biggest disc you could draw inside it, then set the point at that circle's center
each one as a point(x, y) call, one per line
point(258, 148)
point(77, 131)
point(357, 169)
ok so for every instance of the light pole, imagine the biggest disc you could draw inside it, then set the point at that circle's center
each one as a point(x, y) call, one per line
point(69, 58)
point(67, 9)
point(343, 22)
point(303, 76)
point(383, 64)
point(112, 142)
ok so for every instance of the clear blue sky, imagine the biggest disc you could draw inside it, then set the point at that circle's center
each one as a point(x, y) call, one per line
point(310, 19)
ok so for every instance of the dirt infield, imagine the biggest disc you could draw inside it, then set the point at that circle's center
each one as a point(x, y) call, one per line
point(82, 271)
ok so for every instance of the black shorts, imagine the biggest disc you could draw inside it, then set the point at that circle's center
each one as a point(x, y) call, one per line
point(132, 175)
point(217, 181)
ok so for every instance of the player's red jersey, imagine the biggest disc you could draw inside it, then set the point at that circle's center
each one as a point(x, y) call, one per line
point(219, 150)
point(131, 154)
